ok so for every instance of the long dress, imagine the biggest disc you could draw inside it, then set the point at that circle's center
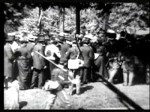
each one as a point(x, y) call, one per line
point(100, 66)
point(24, 68)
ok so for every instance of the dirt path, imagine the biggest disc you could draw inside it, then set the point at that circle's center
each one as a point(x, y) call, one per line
point(93, 96)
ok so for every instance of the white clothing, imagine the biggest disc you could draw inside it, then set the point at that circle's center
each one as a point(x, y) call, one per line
point(53, 49)
point(14, 46)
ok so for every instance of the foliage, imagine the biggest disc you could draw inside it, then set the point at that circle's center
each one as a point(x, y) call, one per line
point(128, 14)
point(94, 17)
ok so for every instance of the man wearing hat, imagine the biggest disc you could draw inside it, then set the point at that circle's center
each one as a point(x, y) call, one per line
point(74, 64)
point(38, 64)
point(8, 60)
point(30, 46)
point(64, 48)
point(88, 56)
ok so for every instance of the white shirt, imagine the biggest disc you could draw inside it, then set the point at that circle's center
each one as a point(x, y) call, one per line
point(53, 49)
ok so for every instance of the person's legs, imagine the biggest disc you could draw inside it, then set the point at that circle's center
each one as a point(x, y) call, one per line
point(71, 74)
point(40, 79)
point(112, 74)
point(34, 79)
point(85, 72)
point(50, 101)
point(78, 84)
point(51, 66)
point(131, 78)
point(125, 78)
point(81, 75)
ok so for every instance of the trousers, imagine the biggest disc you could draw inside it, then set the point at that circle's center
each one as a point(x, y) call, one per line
point(37, 78)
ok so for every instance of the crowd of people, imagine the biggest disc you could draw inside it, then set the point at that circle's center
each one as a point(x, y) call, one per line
point(84, 58)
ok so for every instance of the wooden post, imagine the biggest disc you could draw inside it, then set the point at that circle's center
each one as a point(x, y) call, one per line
point(77, 19)
point(63, 18)
point(39, 20)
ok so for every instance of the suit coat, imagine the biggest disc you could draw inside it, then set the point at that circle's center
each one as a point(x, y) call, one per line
point(38, 61)
point(63, 50)
point(8, 61)
point(88, 55)
point(30, 47)
point(72, 53)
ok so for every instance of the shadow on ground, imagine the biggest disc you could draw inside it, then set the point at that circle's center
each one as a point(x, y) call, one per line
point(85, 88)
point(22, 104)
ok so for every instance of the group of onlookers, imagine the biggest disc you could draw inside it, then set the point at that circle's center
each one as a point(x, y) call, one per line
point(22, 62)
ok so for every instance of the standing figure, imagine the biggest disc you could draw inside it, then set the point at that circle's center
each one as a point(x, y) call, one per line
point(115, 71)
point(128, 67)
point(8, 61)
point(74, 65)
point(39, 66)
point(24, 65)
point(100, 63)
point(88, 57)
point(52, 53)
point(30, 46)
point(64, 48)
point(113, 67)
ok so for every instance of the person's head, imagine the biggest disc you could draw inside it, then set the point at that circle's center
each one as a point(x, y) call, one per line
point(41, 40)
point(9, 39)
point(23, 42)
point(101, 50)
point(74, 43)
point(86, 41)
point(31, 39)
point(69, 42)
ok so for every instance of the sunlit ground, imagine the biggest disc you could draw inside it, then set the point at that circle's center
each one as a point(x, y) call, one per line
point(93, 96)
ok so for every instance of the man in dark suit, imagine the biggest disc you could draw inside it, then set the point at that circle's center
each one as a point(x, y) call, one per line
point(88, 57)
point(8, 60)
point(38, 64)
point(64, 48)
point(30, 46)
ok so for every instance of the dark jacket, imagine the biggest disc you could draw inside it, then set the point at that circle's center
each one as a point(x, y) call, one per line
point(88, 55)
point(38, 61)
point(64, 49)
point(30, 47)
point(72, 53)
